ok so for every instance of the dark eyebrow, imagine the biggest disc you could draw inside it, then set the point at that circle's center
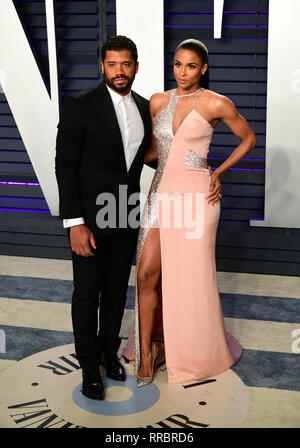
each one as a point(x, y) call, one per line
point(114, 62)
point(195, 63)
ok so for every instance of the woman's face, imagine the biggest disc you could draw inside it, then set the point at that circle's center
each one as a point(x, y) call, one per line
point(188, 68)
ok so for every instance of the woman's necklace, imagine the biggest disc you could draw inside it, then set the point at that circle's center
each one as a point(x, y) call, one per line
point(189, 94)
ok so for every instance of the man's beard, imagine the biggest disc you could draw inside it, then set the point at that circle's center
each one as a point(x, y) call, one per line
point(119, 89)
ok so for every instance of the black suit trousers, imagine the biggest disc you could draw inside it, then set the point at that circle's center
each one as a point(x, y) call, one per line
point(98, 302)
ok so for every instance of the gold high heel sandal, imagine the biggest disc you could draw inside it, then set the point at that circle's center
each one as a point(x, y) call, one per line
point(143, 381)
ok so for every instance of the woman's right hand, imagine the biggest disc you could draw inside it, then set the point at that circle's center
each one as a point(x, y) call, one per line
point(215, 188)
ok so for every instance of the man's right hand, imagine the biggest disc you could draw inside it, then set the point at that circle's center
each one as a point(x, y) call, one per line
point(81, 239)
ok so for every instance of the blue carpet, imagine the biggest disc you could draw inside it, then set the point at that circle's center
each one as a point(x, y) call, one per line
point(256, 368)
point(259, 368)
point(22, 341)
point(240, 306)
point(48, 290)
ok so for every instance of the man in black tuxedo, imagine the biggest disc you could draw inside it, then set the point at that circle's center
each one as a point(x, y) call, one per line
point(102, 137)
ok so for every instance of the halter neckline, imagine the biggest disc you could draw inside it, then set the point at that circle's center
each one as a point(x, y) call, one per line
point(188, 94)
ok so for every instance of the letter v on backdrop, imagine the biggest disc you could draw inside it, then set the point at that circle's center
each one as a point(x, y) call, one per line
point(36, 114)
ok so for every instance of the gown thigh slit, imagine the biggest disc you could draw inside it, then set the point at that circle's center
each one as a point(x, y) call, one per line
point(196, 343)
point(148, 277)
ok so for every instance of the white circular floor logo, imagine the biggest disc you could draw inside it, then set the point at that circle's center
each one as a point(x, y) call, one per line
point(44, 391)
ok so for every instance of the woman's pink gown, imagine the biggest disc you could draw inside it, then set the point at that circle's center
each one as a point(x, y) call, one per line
point(195, 341)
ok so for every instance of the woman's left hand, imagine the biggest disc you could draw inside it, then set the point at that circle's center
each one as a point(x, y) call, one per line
point(214, 189)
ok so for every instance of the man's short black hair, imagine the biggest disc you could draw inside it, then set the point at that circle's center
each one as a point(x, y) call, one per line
point(119, 43)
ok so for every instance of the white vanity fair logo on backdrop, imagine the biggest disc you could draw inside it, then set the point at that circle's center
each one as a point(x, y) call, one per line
point(282, 181)
point(218, 17)
point(35, 113)
point(22, 84)
point(2, 81)
point(296, 81)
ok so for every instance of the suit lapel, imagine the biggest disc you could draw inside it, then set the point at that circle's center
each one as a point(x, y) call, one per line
point(108, 118)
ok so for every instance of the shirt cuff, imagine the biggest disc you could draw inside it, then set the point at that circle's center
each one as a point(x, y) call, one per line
point(72, 222)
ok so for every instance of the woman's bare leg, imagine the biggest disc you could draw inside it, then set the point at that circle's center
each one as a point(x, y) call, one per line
point(148, 277)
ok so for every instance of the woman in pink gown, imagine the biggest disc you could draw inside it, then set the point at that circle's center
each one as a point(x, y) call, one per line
point(177, 298)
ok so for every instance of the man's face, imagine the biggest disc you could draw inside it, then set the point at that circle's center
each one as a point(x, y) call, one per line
point(119, 69)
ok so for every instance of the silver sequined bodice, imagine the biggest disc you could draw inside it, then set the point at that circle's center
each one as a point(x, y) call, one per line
point(163, 133)
point(163, 130)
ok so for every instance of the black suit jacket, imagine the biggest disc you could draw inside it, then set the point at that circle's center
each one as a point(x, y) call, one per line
point(90, 156)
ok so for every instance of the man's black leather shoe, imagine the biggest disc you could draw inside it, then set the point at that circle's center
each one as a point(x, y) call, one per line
point(115, 370)
point(92, 387)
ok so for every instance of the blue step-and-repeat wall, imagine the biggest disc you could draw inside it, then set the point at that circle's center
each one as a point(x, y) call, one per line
point(238, 69)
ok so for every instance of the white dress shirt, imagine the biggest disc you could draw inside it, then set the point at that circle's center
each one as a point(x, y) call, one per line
point(132, 131)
